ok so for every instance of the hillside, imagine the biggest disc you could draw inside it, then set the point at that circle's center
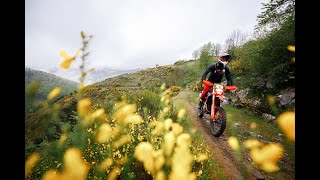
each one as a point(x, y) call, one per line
point(47, 83)
point(143, 89)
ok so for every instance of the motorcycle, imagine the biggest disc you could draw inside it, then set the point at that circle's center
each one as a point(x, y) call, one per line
point(212, 106)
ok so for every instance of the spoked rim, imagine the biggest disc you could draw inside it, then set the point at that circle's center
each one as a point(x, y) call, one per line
point(217, 122)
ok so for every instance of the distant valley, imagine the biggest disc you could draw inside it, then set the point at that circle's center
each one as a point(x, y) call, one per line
point(99, 74)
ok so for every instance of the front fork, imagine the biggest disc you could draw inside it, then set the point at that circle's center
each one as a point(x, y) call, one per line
point(213, 108)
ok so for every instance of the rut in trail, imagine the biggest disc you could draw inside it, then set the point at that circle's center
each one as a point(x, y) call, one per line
point(218, 147)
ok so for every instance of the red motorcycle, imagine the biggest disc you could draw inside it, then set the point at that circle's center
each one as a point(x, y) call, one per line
point(212, 106)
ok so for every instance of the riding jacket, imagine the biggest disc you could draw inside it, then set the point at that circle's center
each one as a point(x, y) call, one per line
point(216, 77)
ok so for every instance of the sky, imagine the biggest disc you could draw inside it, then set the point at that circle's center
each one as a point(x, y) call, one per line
point(131, 34)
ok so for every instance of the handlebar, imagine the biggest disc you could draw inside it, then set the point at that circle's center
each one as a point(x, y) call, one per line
point(208, 83)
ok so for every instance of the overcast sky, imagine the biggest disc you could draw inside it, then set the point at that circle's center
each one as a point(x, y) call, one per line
point(131, 34)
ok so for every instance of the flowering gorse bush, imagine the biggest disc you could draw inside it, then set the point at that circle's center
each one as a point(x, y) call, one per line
point(106, 144)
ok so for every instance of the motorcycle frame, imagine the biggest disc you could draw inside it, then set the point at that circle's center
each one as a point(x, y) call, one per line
point(213, 105)
point(215, 95)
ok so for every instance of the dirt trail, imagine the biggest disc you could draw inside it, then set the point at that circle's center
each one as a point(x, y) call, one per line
point(219, 148)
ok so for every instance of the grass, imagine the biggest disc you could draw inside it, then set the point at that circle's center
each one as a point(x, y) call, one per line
point(266, 131)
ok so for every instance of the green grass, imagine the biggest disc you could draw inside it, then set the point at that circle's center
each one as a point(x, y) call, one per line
point(267, 130)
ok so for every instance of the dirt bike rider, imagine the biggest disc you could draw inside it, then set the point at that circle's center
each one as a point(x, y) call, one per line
point(217, 70)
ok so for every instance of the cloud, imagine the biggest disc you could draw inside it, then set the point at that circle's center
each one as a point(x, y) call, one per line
point(131, 34)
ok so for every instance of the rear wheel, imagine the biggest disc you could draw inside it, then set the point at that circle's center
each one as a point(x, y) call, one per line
point(218, 125)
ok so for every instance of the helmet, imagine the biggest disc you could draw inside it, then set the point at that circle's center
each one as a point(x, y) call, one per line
point(224, 58)
point(219, 67)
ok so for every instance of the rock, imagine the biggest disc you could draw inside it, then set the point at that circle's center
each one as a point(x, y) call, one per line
point(268, 116)
point(269, 85)
point(254, 102)
point(259, 82)
point(285, 97)
point(242, 94)
point(259, 136)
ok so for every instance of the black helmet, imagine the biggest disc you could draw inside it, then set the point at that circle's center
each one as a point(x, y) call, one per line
point(219, 67)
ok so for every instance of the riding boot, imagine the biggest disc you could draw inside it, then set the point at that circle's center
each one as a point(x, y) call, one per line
point(200, 104)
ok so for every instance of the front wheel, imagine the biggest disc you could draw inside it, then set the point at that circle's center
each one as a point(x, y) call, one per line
point(218, 125)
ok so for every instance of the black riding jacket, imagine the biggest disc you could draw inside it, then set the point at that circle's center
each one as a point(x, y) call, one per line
point(215, 77)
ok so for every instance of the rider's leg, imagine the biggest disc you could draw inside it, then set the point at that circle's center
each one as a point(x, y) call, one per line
point(203, 95)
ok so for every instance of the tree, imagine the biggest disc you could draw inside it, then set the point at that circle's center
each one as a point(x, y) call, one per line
point(235, 40)
point(204, 59)
point(209, 48)
point(195, 54)
point(275, 13)
point(217, 49)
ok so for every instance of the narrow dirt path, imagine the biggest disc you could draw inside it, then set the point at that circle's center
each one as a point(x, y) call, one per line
point(219, 148)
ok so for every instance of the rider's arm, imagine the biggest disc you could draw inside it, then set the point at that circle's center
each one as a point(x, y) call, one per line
point(228, 76)
point(209, 69)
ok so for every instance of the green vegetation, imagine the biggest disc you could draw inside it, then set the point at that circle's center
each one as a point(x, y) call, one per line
point(41, 83)
point(129, 127)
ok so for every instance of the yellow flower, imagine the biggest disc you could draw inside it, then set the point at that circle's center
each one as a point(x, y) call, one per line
point(74, 166)
point(252, 143)
point(63, 137)
point(184, 140)
point(271, 100)
point(124, 111)
point(104, 166)
point(182, 112)
point(159, 160)
point(177, 129)
point(267, 156)
point(31, 162)
point(291, 48)
point(124, 139)
point(182, 159)
point(104, 133)
point(163, 86)
point(286, 122)
point(134, 118)
point(143, 151)
point(167, 123)
point(201, 157)
point(114, 173)
point(169, 141)
point(54, 93)
point(99, 114)
point(160, 176)
point(51, 175)
point(233, 143)
point(159, 128)
point(81, 86)
point(65, 64)
point(253, 125)
point(83, 107)
point(165, 110)
point(269, 167)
